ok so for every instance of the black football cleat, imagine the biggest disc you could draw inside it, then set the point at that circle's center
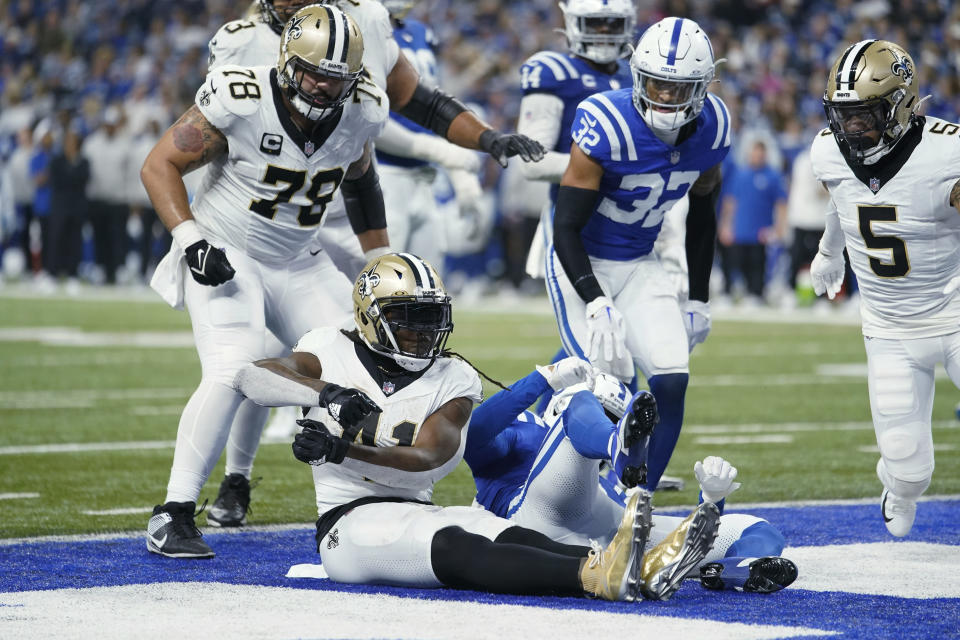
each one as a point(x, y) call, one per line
point(171, 532)
point(753, 575)
point(232, 503)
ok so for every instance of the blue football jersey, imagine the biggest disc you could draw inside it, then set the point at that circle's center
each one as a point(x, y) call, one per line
point(418, 43)
point(571, 79)
point(642, 176)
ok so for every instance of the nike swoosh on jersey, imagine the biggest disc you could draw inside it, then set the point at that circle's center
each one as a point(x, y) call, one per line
point(315, 253)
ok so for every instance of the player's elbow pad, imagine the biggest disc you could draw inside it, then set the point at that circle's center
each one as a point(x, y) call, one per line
point(363, 200)
point(432, 109)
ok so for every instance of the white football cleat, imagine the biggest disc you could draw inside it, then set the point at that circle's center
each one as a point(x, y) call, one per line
point(898, 513)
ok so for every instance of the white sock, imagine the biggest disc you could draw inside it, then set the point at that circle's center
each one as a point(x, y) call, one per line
point(245, 437)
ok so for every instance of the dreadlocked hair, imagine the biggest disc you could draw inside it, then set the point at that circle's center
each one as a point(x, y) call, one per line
point(354, 335)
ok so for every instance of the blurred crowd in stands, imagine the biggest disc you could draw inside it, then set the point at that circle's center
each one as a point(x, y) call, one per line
point(87, 87)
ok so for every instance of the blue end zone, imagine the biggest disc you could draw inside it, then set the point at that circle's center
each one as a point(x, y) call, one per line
point(263, 558)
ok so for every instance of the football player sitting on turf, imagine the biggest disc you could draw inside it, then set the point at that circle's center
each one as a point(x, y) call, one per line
point(545, 474)
point(387, 409)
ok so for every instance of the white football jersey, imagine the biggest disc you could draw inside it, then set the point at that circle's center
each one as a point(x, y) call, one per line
point(404, 412)
point(269, 193)
point(251, 43)
point(902, 235)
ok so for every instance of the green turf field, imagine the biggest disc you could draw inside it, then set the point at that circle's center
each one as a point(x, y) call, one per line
point(786, 403)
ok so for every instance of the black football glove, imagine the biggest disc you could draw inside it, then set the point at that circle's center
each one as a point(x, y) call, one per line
point(349, 407)
point(208, 265)
point(506, 145)
point(315, 445)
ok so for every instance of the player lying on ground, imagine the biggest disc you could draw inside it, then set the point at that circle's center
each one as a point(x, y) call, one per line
point(544, 473)
point(387, 410)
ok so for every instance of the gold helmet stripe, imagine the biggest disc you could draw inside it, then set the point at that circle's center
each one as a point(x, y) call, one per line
point(847, 69)
point(420, 271)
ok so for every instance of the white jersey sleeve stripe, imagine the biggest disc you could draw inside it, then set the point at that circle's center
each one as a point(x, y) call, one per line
point(551, 64)
point(722, 120)
point(631, 148)
point(604, 121)
point(563, 61)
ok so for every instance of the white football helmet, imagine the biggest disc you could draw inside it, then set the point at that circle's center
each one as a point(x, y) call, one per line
point(672, 66)
point(599, 30)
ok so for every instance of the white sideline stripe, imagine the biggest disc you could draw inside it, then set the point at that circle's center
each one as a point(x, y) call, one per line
point(872, 448)
point(745, 507)
point(758, 439)
point(792, 427)
point(166, 410)
point(859, 370)
point(84, 398)
point(122, 511)
point(73, 337)
point(250, 611)
point(782, 380)
point(82, 447)
point(18, 496)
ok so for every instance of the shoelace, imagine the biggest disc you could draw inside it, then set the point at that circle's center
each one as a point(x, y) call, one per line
point(595, 556)
point(184, 525)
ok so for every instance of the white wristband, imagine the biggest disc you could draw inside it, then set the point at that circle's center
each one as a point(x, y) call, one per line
point(376, 252)
point(186, 233)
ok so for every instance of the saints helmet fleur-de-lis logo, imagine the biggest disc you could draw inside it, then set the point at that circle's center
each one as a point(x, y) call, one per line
point(901, 67)
point(295, 31)
point(367, 281)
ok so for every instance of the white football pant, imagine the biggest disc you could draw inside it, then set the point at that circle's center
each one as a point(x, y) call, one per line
point(644, 294)
point(229, 328)
point(901, 382)
point(390, 542)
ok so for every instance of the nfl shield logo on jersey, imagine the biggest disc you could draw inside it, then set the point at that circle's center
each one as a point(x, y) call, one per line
point(388, 388)
point(874, 185)
point(674, 157)
point(308, 148)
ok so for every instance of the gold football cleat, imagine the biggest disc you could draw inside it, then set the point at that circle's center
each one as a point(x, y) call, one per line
point(614, 573)
point(667, 564)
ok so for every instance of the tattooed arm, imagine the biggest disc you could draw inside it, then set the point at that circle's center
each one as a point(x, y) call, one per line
point(955, 196)
point(189, 144)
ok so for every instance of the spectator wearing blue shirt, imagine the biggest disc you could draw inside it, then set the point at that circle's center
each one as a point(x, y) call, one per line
point(40, 175)
point(753, 215)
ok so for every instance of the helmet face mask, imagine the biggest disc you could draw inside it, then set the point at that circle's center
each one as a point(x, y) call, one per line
point(599, 31)
point(321, 53)
point(672, 67)
point(870, 99)
point(275, 16)
point(402, 310)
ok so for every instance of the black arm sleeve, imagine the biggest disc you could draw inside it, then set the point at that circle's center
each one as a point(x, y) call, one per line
point(701, 240)
point(433, 109)
point(574, 207)
point(363, 200)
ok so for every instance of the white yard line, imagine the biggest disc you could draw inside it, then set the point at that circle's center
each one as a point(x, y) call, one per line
point(83, 447)
point(120, 511)
point(757, 439)
point(18, 496)
point(73, 337)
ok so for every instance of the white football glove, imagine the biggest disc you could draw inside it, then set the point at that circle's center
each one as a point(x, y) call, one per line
point(952, 286)
point(827, 274)
point(716, 477)
point(696, 320)
point(607, 335)
point(567, 372)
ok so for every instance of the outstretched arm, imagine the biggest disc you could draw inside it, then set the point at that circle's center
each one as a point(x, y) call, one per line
point(450, 118)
